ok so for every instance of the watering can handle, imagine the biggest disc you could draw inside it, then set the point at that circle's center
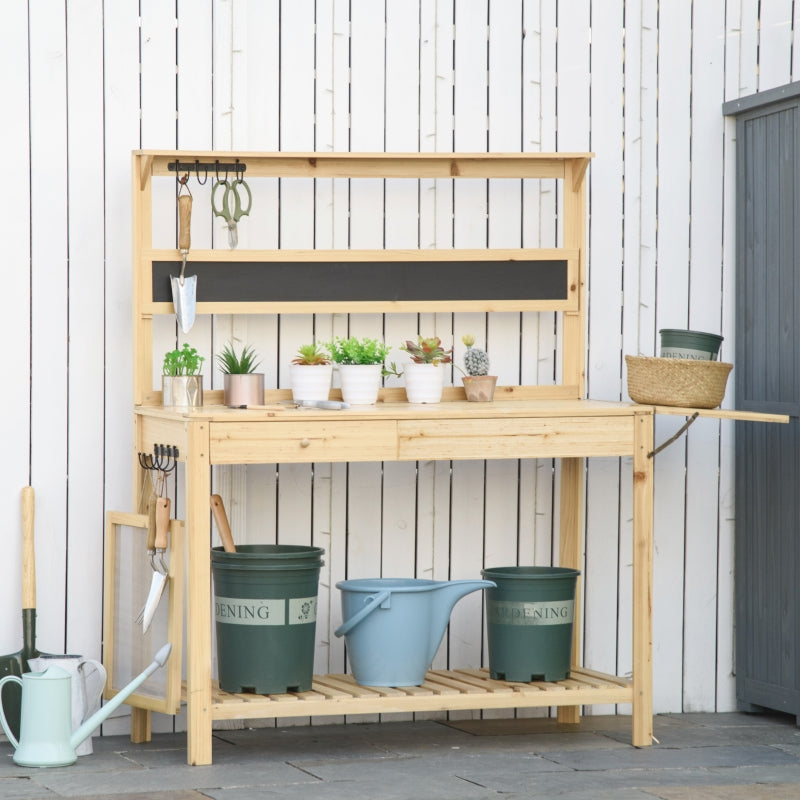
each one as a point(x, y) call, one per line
point(373, 603)
point(3, 722)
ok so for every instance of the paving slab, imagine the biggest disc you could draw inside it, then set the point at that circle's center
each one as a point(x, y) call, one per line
point(772, 791)
point(150, 781)
point(672, 758)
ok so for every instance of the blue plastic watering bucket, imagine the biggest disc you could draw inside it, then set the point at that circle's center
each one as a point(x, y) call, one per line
point(393, 626)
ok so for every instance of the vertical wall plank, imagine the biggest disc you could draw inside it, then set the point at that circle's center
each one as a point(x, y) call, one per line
point(49, 316)
point(674, 139)
point(15, 322)
point(86, 302)
point(600, 580)
point(705, 304)
point(775, 43)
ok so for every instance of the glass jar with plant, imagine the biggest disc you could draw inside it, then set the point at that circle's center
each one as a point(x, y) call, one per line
point(311, 373)
point(360, 365)
point(181, 379)
point(243, 386)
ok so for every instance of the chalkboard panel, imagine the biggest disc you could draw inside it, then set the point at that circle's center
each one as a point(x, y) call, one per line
point(342, 281)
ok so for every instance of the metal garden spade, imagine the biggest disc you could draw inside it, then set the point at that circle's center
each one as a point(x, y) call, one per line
point(184, 287)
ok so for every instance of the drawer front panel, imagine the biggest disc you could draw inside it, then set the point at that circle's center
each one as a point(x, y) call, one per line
point(543, 437)
point(286, 442)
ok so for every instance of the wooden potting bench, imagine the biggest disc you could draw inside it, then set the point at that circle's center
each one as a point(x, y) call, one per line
point(553, 421)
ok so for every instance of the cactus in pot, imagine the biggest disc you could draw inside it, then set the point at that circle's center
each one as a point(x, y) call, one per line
point(478, 383)
point(476, 362)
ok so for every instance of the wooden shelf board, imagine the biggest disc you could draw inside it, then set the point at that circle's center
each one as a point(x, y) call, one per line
point(442, 690)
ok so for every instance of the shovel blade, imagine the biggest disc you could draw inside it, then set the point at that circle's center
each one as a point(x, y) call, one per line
point(151, 604)
point(184, 298)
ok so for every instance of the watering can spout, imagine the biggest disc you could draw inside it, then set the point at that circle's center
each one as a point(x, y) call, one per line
point(447, 594)
point(100, 717)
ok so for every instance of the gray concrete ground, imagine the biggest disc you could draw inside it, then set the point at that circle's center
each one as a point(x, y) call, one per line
point(698, 757)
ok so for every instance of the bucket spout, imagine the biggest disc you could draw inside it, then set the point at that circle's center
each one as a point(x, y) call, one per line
point(97, 719)
point(444, 597)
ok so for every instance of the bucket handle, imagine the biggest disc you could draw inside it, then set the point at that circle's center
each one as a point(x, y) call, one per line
point(373, 603)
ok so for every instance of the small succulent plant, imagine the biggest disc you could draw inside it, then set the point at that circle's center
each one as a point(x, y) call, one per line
point(476, 362)
point(311, 355)
point(427, 351)
point(232, 364)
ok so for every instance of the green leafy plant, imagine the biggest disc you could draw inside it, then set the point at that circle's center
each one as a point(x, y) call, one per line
point(232, 364)
point(186, 361)
point(476, 362)
point(357, 351)
point(310, 355)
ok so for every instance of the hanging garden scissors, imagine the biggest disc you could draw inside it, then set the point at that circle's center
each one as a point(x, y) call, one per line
point(231, 209)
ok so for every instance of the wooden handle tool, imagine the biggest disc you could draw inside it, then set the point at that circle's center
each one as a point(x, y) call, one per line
point(221, 518)
point(28, 550)
point(162, 523)
point(184, 222)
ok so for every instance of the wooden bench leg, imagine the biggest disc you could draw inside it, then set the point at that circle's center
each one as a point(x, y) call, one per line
point(141, 730)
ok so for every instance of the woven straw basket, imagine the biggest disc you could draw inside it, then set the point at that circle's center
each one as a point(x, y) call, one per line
point(677, 382)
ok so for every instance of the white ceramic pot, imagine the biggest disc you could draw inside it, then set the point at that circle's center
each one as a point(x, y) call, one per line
point(424, 382)
point(360, 383)
point(244, 390)
point(311, 381)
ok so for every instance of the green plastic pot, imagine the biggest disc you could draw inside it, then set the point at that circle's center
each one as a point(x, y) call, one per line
point(692, 345)
point(529, 616)
point(265, 609)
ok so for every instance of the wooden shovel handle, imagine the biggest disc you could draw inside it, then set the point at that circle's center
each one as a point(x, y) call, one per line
point(184, 222)
point(28, 550)
point(224, 528)
point(162, 522)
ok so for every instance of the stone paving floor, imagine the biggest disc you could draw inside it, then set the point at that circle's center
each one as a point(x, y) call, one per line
point(698, 757)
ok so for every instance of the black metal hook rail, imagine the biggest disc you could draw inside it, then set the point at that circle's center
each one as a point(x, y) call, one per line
point(164, 458)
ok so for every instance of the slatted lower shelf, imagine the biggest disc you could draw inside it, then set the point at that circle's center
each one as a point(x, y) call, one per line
point(443, 690)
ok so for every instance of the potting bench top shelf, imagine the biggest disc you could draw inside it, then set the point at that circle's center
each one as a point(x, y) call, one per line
point(523, 422)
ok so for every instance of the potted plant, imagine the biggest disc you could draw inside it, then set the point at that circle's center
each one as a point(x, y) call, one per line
point(181, 380)
point(424, 376)
point(360, 364)
point(243, 385)
point(311, 371)
point(478, 383)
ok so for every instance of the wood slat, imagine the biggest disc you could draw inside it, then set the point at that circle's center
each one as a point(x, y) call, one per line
point(442, 690)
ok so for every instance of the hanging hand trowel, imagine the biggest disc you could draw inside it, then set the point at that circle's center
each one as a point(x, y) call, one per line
point(184, 287)
point(160, 572)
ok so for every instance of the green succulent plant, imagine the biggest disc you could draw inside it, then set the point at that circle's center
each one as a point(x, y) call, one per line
point(185, 361)
point(427, 350)
point(232, 364)
point(311, 354)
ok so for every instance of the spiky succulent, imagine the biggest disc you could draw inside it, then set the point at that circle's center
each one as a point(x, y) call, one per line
point(311, 354)
point(232, 364)
point(476, 362)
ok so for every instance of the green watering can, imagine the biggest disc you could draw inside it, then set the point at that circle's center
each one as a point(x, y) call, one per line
point(46, 738)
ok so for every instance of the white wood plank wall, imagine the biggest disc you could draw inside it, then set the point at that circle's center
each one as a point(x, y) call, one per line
point(638, 82)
